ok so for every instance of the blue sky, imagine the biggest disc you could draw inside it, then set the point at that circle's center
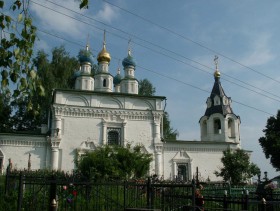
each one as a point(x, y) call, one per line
point(174, 44)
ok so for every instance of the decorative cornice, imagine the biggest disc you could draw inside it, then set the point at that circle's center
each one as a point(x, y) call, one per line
point(99, 93)
point(105, 113)
point(23, 142)
point(195, 149)
point(180, 160)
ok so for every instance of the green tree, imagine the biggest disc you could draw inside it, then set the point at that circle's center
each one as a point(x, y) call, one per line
point(16, 51)
point(25, 119)
point(237, 167)
point(18, 36)
point(115, 162)
point(270, 142)
point(5, 113)
point(146, 88)
point(57, 73)
point(168, 132)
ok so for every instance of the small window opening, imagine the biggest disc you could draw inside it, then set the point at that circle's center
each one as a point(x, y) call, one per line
point(217, 126)
point(183, 172)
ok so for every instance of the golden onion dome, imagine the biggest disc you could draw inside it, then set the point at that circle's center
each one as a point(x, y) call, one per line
point(217, 74)
point(104, 55)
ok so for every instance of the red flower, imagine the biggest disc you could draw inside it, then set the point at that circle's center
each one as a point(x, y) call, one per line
point(75, 193)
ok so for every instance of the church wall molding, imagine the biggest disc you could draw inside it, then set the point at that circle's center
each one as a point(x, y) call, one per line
point(105, 113)
point(193, 149)
point(23, 142)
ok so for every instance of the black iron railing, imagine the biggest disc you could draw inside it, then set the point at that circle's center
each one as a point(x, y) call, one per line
point(26, 190)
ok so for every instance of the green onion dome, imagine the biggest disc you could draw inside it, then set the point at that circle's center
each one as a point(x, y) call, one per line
point(129, 61)
point(85, 56)
point(117, 79)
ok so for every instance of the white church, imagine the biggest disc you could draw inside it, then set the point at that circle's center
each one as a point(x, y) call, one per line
point(103, 109)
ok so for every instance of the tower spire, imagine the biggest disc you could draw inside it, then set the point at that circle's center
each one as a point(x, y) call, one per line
point(87, 46)
point(104, 38)
point(119, 70)
point(104, 54)
point(217, 74)
point(129, 47)
point(216, 61)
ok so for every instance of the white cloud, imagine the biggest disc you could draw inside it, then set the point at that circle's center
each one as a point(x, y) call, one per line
point(260, 53)
point(48, 19)
point(107, 13)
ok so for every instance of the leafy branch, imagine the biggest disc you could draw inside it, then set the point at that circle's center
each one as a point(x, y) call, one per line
point(18, 36)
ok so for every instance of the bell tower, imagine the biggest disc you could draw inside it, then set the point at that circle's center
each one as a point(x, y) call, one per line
point(219, 123)
point(84, 79)
point(103, 78)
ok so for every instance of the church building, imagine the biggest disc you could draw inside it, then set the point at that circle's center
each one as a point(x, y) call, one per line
point(106, 110)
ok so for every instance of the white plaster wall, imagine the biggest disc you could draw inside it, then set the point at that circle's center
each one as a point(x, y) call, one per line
point(207, 163)
point(140, 132)
point(18, 148)
point(204, 155)
point(76, 131)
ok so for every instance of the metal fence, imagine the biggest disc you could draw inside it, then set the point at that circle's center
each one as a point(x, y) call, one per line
point(30, 191)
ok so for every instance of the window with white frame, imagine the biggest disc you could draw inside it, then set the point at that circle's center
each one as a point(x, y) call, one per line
point(114, 136)
point(183, 171)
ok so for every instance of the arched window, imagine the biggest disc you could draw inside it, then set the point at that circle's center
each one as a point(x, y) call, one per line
point(217, 126)
point(231, 130)
point(104, 83)
point(132, 88)
point(204, 128)
point(217, 100)
point(86, 82)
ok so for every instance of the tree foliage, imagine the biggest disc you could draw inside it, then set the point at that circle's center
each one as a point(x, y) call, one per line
point(5, 113)
point(146, 88)
point(58, 73)
point(270, 142)
point(237, 167)
point(55, 73)
point(115, 162)
point(17, 41)
point(168, 132)
point(19, 78)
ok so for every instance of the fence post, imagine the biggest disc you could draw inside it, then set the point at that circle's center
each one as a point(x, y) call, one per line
point(7, 180)
point(53, 205)
point(124, 193)
point(20, 191)
point(193, 195)
point(246, 202)
point(263, 205)
point(149, 193)
point(225, 201)
point(52, 192)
